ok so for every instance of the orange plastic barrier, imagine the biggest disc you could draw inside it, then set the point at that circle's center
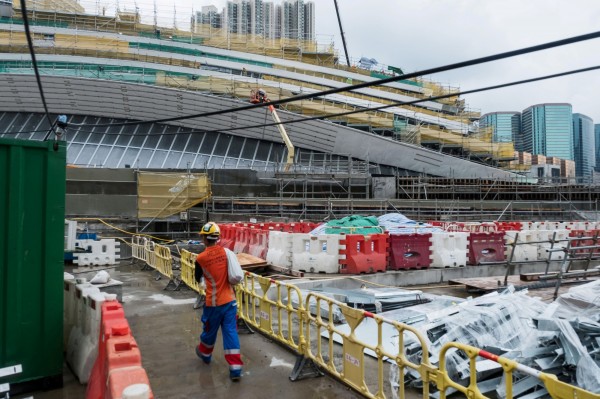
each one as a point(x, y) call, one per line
point(410, 251)
point(365, 254)
point(119, 361)
point(486, 247)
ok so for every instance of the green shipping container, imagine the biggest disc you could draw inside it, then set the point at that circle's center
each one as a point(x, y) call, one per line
point(32, 213)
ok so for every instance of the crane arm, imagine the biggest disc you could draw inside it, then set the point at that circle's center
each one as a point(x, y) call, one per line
point(286, 139)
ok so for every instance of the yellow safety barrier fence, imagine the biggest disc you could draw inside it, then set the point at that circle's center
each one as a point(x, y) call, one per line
point(311, 328)
point(556, 389)
point(163, 261)
point(348, 362)
point(149, 254)
point(187, 271)
point(279, 310)
point(137, 247)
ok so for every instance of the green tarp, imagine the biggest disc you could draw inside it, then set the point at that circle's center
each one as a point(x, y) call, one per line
point(354, 224)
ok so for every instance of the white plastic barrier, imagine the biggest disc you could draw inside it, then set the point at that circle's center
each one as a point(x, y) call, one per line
point(83, 320)
point(449, 249)
point(70, 310)
point(523, 252)
point(280, 249)
point(86, 352)
point(76, 337)
point(103, 252)
point(557, 225)
point(535, 226)
point(70, 234)
point(317, 254)
point(581, 225)
point(546, 235)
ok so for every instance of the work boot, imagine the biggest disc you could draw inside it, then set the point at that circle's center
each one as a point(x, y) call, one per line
point(235, 376)
point(205, 359)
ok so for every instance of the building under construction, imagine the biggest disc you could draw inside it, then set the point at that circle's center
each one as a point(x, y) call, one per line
point(428, 151)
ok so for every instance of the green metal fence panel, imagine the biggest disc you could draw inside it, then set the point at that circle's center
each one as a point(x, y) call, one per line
point(32, 212)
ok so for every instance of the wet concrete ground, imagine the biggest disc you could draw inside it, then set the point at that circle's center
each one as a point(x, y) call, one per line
point(166, 328)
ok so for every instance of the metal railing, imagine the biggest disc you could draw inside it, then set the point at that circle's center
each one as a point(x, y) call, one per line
point(556, 389)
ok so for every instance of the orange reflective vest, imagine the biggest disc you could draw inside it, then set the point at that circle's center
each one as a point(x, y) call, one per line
point(213, 261)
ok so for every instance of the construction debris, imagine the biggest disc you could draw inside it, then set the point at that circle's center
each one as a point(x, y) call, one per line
point(562, 338)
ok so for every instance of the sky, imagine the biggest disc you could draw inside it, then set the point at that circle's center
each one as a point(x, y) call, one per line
point(422, 34)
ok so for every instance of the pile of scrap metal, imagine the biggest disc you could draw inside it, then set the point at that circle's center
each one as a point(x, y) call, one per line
point(375, 300)
point(562, 338)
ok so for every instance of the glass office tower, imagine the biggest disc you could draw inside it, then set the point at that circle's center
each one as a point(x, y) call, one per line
point(547, 129)
point(584, 146)
point(506, 127)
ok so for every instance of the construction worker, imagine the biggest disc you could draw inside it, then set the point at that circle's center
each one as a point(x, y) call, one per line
point(220, 309)
point(262, 96)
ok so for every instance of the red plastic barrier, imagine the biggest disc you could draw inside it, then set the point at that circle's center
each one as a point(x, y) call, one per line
point(119, 379)
point(436, 223)
point(227, 236)
point(242, 240)
point(113, 322)
point(271, 226)
point(590, 241)
point(483, 227)
point(299, 227)
point(365, 254)
point(259, 243)
point(454, 227)
point(119, 362)
point(410, 251)
point(509, 226)
point(486, 247)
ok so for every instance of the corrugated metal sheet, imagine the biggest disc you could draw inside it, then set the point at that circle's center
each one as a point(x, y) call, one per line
point(32, 210)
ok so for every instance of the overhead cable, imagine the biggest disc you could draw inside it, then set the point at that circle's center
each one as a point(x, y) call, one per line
point(476, 61)
point(366, 109)
point(34, 63)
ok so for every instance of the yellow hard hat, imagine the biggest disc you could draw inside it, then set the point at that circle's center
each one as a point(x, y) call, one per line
point(211, 230)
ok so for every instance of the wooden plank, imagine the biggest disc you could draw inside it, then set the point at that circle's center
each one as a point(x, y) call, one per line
point(571, 274)
point(248, 261)
point(286, 271)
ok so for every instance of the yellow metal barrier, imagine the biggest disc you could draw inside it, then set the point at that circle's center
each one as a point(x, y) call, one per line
point(556, 389)
point(163, 261)
point(349, 365)
point(187, 271)
point(149, 256)
point(137, 247)
point(268, 305)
